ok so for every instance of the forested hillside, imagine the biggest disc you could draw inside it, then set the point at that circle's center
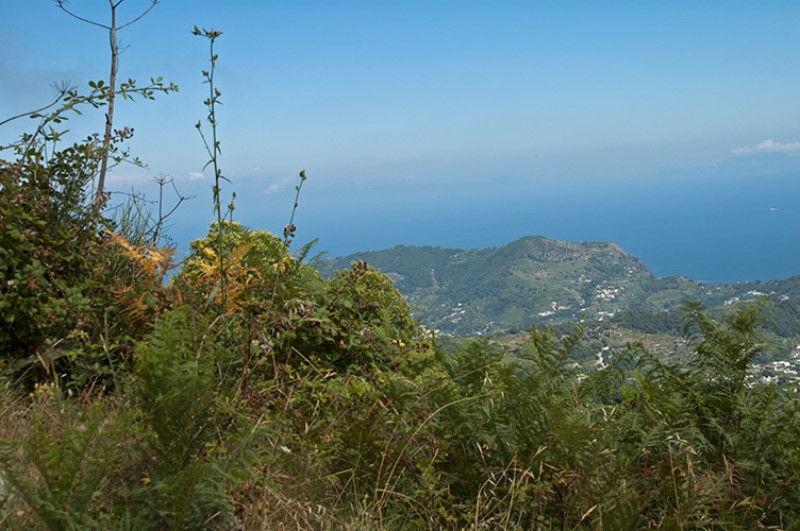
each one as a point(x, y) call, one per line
point(241, 389)
point(540, 281)
point(537, 281)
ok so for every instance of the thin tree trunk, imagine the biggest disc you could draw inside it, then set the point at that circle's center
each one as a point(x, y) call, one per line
point(112, 92)
point(112, 29)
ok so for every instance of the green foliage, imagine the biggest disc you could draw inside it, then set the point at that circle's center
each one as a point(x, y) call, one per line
point(47, 247)
point(370, 319)
point(704, 435)
point(60, 468)
point(471, 291)
point(366, 417)
point(288, 312)
point(257, 263)
point(669, 322)
point(59, 301)
point(555, 283)
point(75, 295)
point(784, 317)
point(726, 352)
point(195, 445)
point(175, 371)
point(157, 462)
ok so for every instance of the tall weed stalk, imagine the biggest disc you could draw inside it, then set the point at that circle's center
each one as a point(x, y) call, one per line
point(214, 151)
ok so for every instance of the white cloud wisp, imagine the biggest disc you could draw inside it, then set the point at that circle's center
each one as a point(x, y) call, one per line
point(768, 146)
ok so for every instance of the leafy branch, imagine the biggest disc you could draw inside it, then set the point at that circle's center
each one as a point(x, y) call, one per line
point(71, 102)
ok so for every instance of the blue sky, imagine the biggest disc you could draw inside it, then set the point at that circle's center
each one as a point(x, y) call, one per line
point(449, 100)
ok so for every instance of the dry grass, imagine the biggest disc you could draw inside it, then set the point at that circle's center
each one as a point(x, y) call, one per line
point(15, 412)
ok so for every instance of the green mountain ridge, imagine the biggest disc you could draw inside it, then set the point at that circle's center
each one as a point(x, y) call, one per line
point(537, 280)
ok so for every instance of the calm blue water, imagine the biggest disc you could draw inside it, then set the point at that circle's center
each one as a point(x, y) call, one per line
point(720, 228)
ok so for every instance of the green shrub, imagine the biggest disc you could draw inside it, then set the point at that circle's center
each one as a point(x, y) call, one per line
point(48, 247)
point(75, 295)
point(179, 395)
point(63, 466)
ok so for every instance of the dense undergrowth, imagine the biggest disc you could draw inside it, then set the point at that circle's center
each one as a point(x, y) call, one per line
point(246, 391)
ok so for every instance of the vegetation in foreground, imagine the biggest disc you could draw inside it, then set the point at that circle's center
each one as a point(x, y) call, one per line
point(249, 392)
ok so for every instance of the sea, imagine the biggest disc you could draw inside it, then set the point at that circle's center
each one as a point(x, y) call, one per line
point(722, 225)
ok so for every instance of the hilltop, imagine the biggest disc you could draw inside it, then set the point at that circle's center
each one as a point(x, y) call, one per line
point(537, 280)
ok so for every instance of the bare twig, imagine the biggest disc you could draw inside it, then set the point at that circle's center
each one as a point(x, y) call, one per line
point(63, 89)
